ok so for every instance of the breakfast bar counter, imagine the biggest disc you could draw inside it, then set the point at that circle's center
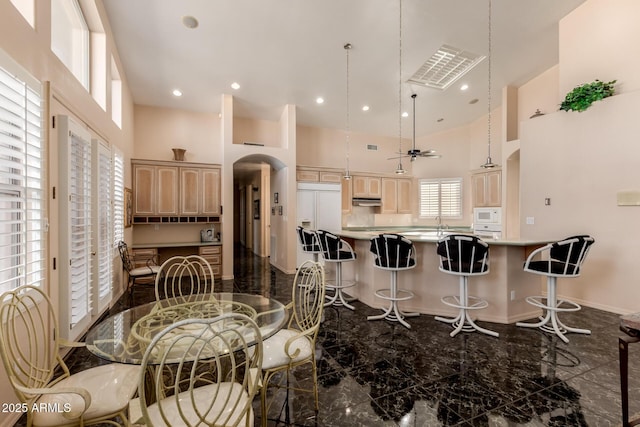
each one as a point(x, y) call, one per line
point(505, 287)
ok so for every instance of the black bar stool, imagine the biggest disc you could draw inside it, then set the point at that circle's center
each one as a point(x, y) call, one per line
point(336, 250)
point(563, 259)
point(309, 242)
point(393, 253)
point(464, 256)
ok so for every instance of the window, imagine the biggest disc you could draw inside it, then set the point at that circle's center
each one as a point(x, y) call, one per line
point(22, 204)
point(441, 197)
point(116, 94)
point(102, 280)
point(118, 197)
point(70, 38)
point(26, 9)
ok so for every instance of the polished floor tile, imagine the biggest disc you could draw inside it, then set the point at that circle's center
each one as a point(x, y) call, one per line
point(377, 373)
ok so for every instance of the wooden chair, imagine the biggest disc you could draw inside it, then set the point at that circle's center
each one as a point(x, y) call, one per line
point(30, 353)
point(214, 367)
point(295, 345)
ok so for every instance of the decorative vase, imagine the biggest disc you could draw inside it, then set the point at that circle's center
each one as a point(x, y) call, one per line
point(178, 154)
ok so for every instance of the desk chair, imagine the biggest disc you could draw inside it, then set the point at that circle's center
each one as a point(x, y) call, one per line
point(29, 341)
point(150, 270)
point(337, 251)
point(309, 242)
point(464, 256)
point(563, 259)
point(393, 253)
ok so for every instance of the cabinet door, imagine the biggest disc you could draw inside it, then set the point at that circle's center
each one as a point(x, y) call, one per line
point(493, 188)
point(189, 191)
point(307, 175)
point(346, 196)
point(360, 186)
point(389, 196)
point(478, 189)
point(330, 176)
point(374, 186)
point(210, 179)
point(167, 201)
point(144, 194)
point(404, 196)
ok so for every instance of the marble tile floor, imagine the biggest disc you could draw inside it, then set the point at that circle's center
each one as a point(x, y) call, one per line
point(378, 373)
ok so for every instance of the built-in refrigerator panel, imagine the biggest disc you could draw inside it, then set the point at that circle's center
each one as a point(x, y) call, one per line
point(319, 207)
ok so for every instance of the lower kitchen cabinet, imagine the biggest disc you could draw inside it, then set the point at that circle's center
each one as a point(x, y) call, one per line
point(213, 255)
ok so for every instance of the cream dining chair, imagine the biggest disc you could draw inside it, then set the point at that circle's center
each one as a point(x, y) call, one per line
point(214, 367)
point(30, 343)
point(182, 277)
point(295, 345)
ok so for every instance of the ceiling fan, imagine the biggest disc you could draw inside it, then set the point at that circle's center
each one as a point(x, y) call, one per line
point(414, 152)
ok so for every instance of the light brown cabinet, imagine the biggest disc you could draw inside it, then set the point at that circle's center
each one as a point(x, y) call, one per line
point(199, 191)
point(346, 196)
point(213, 255)
point(164, 189)
point(156, 190)
point(309, 174)
point(396, 196)
point(487, 188)
point(367, 186)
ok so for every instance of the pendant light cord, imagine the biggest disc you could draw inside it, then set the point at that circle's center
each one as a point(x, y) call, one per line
point(400, 170)
point(489, 91)
point(347, 175)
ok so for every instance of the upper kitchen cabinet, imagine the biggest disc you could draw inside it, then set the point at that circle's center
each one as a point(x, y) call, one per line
point(487, 188)
point(199, 191)
point(155, 190)
point(314, 174)
point(367, 186)
point(170, 192)
point(347, 196)
point(396, 196)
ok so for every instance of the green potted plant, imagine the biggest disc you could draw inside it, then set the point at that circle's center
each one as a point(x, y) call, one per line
point(581, 97)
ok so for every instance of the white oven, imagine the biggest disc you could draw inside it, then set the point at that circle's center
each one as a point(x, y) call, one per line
point(487, 222)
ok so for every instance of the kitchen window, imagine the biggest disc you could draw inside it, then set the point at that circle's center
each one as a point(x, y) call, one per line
point(441, 197)
point(22, 204)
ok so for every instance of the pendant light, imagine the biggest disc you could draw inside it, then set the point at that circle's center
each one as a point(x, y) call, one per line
point(400, 170)
point(489, 163)
point(347, 173)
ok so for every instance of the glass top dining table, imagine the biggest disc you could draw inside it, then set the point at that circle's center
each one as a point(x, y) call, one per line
point(124, 337)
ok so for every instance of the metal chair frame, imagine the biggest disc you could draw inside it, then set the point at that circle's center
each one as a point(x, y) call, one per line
point(454, 256)
point(309, 242)
point(182, 277)
point(400, 254)
point(332, 246)
point(215, 379)
point(306, 310)
point(30, 342)
point(573, 250)
point(151, 269)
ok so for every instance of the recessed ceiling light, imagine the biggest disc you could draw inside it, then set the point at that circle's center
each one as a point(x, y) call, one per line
point(365, 108)
point(190, 22)
point(464, 87)
point(473, 101)
point(440, 119)
point(405, 114)
point(319, 100)
point(235, 85)
point(177, 92)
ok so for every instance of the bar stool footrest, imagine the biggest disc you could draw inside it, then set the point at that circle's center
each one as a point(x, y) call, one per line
point(537, 301)
point(454, 301)
point(386, 294)
point(331, 284)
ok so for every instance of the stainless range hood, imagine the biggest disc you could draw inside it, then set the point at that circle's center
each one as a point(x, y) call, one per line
point(365, 201)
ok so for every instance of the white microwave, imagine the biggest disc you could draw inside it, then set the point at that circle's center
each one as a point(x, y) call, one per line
point(487, 216)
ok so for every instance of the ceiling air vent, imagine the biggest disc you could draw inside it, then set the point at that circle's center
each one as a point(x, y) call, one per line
point(444, 67)
point(372, 147)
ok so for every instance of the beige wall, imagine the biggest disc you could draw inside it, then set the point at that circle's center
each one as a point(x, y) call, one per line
point(540, 93)
point(31, 49)
point(264, 132)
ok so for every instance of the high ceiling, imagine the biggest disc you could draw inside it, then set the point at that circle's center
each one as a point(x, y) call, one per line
point(291, 52)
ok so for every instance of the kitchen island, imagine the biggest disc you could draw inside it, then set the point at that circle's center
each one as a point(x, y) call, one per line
point(505, 287)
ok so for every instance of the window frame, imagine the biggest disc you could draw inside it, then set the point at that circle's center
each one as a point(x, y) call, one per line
point(439, 182)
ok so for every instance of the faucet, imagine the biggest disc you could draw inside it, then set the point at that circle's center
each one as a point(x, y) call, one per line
point(439, 223)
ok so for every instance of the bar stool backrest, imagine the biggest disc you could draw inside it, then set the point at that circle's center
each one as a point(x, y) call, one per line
point(308, 240)
point(393, 251)
point(565, 256)
point(463, 254)
point(330, 244)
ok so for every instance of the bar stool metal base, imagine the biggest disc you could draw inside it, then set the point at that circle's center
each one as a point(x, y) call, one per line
point(339, 298)
point(393, 312)
point(463, 321)
point(550, 322)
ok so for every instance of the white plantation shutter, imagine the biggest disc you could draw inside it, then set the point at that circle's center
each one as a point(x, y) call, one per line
point(22, 204)
point(118, 215)
point(441, 197)
point(102, 227)
point(75, 227)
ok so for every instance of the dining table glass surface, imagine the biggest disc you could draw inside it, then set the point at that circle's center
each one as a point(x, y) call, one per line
point(125, 336)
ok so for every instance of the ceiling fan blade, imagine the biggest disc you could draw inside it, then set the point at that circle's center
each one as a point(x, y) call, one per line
point(399, 157)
